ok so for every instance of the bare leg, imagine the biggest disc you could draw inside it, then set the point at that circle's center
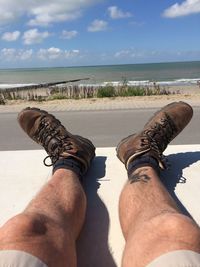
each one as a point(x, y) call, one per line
point(50, 225)
point(151, 222)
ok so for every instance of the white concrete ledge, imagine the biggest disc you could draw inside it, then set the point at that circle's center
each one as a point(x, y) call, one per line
point(101, 243)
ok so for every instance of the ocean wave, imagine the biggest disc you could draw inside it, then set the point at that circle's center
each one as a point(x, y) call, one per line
point(13, 85)
point(176, 82)
point(180, 82)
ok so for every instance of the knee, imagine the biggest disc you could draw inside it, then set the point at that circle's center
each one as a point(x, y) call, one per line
point(162, 233)
point(27, 224)
point(176, 225)
point(175, 221)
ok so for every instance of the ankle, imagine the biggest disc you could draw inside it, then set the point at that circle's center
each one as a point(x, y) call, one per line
point(69, 164)
point(63, 172)
point(137, 168)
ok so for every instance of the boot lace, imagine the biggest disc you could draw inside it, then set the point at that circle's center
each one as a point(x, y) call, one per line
point(159, 136)
point(44, 135)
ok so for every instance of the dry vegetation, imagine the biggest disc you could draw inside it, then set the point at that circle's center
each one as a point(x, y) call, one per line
point(80, 92)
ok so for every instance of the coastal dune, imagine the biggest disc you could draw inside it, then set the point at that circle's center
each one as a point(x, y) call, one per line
point(189, 94)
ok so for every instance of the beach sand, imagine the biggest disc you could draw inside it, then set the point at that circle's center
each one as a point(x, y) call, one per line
point(189, 94)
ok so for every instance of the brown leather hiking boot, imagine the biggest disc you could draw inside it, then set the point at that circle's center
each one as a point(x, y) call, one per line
point(164, 126)
point(47, 131)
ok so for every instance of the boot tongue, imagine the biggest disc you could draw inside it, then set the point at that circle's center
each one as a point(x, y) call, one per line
point(161, 134)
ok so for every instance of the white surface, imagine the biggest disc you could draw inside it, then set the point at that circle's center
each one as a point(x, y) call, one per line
point(22, 174)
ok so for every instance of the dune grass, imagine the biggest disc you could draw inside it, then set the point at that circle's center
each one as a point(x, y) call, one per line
point(79, 92)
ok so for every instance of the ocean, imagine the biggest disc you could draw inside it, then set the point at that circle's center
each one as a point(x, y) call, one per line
point(176, 73)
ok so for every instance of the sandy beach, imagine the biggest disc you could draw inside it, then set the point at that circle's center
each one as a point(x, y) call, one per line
point(189, 94)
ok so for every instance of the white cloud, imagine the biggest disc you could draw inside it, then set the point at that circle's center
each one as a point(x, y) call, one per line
point(11, 36)
point(132, 53)
point(187, 7)
point(11, 54)
point(50, 14)
point(98, 25)
point(122, 53)
point(8, 53)
point(137, 55)
point(8, 12)
point(33, 36)
point(50, 53)
point(116, 13)
point(69, 34)
point(25, 54)
point(54, 53)
point(71, 53)
point(42, 13)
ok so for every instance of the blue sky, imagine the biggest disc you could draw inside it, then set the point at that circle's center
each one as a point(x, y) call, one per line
point(91, 32)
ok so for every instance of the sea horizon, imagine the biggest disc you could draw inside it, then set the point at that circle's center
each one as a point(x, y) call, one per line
point(166, 73)
point(101, 65)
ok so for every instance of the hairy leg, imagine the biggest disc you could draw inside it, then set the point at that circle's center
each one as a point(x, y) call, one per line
point(151, 222)
point(50, 225)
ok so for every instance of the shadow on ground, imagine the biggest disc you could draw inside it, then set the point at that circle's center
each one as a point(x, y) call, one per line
point(92, 246)
point(174, 175)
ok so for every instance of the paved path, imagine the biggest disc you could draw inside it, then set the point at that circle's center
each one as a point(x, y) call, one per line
point(103, 104)
point(104, 128)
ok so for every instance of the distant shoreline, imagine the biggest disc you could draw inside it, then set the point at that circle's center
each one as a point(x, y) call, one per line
point(161, 72)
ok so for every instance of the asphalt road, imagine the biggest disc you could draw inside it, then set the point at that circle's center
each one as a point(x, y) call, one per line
point(104, 128)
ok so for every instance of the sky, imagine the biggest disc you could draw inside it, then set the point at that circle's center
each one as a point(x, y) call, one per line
point(61, 33)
